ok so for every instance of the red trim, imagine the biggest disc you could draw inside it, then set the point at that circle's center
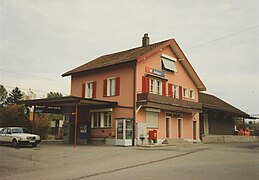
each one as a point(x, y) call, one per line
point(170, 93)
point(105, 88)
point(83, 90)
point(163, 88)
point(180, 92)
point(94, 89)
point(155, 50)
point(117, 89)
point(145, 84)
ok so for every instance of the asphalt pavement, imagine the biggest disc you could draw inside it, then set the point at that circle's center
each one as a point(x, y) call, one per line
point(182, 161)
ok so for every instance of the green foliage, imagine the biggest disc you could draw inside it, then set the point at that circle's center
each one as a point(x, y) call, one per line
point(15, 96)
point(13, 115)
point(54, 95)
point(3, 95)
point(42, 125)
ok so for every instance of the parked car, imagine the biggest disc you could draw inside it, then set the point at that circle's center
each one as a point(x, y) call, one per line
point(18, 136)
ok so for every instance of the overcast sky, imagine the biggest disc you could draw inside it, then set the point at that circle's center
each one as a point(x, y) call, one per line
point(42, 39)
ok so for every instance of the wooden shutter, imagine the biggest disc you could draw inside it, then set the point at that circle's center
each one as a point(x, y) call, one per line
point(145, 84)
point(83, 90)
point(117, 88)
point(180, 92)
point(94, 89)
point(170, 90)
point(105, 88)
point(164, 88)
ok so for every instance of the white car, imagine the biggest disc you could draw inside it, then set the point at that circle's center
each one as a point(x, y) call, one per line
point(18, 136)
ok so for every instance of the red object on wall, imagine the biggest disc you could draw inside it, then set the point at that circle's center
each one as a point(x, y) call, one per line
point(83, 90)
point(94, 89)
point(170, 93)
point(145, 84)
point(105, 88)
point(117, 89)
point(180, 92)
point(163, 88)
point(152, 135)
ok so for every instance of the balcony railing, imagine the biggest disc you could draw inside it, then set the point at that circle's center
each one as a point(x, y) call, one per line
point(168, 103)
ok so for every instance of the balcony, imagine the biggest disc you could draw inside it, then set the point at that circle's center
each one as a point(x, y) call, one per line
point(168, 103)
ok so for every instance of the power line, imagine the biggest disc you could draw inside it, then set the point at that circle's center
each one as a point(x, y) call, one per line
point(223, 37)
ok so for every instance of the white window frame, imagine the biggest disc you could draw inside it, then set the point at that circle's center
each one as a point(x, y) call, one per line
point(100, 121)
point(192, 94)
point(175, 90)
point(111, 86)
point(155, 86)
point(185, 93)
point(89, 89)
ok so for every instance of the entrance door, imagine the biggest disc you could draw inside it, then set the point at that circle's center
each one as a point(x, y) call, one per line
point(168, 126)
point(124, 132)
point(179, 128)
point(194, 130)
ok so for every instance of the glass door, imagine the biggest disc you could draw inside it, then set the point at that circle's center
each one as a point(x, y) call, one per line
point(124, 132)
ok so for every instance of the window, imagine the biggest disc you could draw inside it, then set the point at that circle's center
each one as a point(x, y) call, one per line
point(89, 90)
point(192, 94)
point(185, 92)
point(101, 119)
point(155, 86)
point(152, 119)
point(168, 63)
point(111, 87)
point(175, 91)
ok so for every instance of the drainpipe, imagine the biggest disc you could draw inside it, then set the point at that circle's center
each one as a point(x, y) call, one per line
point(75, 130)
point(134, 103)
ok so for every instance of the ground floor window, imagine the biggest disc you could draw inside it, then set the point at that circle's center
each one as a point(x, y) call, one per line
point(101, 119)
point(152, 119)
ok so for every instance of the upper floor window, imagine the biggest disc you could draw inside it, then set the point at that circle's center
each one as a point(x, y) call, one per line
point(155, 86)
point(185, 92)
point(111, 87)
point(89, 89)
point(192, 94)
point(175, 91)
point(168, 63)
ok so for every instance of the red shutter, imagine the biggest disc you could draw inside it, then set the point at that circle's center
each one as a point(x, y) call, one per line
point(94, 89)
point(105, 88)
point(170, 93)
point(117, 89)
point(83, 90)
point(145, 84)
point(164, 88)
point(180, 92)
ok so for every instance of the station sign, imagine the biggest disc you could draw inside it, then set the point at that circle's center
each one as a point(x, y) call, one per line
point(154, 71)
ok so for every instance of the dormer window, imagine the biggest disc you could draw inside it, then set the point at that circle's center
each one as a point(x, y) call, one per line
point(168, 63)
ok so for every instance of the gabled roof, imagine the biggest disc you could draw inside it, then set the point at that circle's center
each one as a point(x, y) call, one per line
point(114, 58)
point(137, 54)
point(212, 102)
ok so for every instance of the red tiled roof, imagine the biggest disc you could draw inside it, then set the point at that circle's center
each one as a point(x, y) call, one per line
point(213, 102)
point(115, 58)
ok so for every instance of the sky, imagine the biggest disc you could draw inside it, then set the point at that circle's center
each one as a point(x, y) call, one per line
point(42, 39)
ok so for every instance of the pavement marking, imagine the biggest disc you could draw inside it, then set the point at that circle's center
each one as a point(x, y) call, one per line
point(138, 165)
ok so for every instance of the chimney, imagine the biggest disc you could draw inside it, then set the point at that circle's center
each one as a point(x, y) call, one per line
point(145, 40)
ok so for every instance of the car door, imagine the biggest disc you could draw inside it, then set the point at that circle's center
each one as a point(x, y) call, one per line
point(3, 137)
point(8, 136)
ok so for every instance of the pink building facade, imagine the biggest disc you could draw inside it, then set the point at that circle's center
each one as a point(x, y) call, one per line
point(156, 91)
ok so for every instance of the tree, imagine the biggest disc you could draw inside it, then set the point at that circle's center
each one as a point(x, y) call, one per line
point(3, 95)
point(54, 95)
point(15, 96)
point(13, 115)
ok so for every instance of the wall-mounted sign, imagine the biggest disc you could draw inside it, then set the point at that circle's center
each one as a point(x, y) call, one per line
point(154, 71)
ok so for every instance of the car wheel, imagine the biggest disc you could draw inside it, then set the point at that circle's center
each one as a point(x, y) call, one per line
point(15, 143)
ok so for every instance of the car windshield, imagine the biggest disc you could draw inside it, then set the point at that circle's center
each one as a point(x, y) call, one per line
point(19, 130)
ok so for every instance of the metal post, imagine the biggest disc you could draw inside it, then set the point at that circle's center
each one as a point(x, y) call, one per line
point(244, 126)
point(75, 130)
